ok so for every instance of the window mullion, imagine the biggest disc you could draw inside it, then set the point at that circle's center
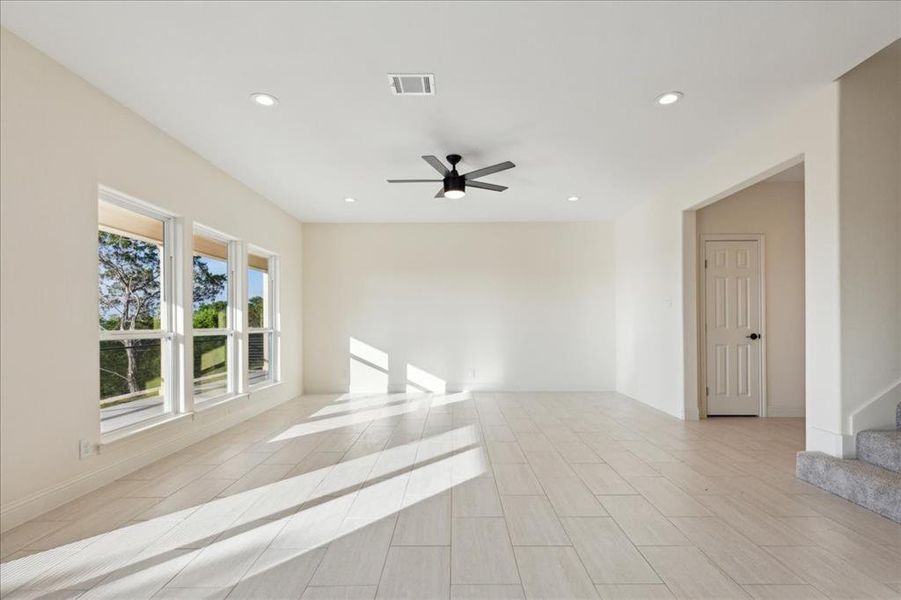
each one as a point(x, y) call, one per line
point(212, 332)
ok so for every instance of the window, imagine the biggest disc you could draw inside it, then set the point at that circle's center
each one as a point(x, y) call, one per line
point(135, 316)
point(213, 316)
point(262, 341)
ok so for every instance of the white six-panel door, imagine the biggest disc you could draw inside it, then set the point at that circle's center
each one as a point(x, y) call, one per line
point(733, 318)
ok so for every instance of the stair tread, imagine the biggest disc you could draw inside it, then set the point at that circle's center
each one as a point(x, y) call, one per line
point(863, 483)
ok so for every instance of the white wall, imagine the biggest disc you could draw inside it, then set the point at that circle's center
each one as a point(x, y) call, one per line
point(651, 251)
point(777, 211)
point(525, 306)
point(870, 204)
point(60, 139)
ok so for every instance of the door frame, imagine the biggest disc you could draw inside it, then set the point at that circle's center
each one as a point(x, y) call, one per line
point(702, 312)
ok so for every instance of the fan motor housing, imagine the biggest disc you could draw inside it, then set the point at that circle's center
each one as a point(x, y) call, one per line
point(454, 182)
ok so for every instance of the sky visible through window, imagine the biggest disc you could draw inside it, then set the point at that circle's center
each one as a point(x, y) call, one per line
point(254, 283)
point(216, 267)
point(220, 267)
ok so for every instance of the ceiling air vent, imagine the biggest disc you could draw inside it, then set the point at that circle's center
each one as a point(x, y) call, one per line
point(412, 84)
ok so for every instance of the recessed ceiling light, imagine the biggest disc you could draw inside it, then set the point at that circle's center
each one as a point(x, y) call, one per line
point(264, 99)
point(573, 198)
point(349, 199)
point(668, 98)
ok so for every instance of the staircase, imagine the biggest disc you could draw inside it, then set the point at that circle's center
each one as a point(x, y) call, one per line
point(873, 480)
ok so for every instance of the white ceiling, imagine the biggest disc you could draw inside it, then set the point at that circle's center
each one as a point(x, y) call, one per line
point(564, 90)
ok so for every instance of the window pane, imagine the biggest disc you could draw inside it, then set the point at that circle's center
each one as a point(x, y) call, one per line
point(257, 291)
point(130, 281)
point(131, 382)
point(210, 366)
point(210, 283)
point(259, 355)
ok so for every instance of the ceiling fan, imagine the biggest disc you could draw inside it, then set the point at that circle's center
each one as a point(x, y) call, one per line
point(454, 185)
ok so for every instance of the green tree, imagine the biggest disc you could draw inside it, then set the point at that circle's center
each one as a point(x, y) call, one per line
point(209, 309)
point(255, 311)
point(129, 296)
point(130, 299)
point(207, 285)
point(210, 315)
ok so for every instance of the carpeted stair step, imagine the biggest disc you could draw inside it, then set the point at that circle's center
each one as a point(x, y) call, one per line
point(880, 448)
point(865, 484)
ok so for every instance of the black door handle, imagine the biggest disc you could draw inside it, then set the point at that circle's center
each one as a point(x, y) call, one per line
point(754, 336)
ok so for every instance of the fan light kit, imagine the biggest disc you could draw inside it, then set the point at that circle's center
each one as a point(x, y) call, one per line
point(573, 198)
point(350, 200)
point(264, 99)
point(454, 185)
point(669, 98)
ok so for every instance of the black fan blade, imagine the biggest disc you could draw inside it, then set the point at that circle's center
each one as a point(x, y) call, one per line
point(488, 170)
point(440, 193)
point(414, 180)
point(436, 164)
point(486, 186)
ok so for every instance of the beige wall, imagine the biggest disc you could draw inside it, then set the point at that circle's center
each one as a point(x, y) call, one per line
point(777, 211)
point(523, 306)
point(59, 139)
point(656, 311)
point(870, 239)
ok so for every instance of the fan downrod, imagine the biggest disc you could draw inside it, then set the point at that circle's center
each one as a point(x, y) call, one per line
point(453, 159)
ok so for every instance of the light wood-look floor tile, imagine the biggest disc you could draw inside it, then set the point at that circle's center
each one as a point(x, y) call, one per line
point(606, 552)
point(481, 552)
point(553, 572)
point(476, 498)
point(784, 592)
point(830, 574)
point(278, 573)
point(476, 495)
point(417, 573)
point(625, 591)
point(602, 480)
point(668, 498)
point(690, 574)
point(517, 480)
point(340, 592)
point(192, 593)
point(735, 554)
point(570, 498)
point(487, 592)
point(532, 522)
point(356, 558)
point(643, 523)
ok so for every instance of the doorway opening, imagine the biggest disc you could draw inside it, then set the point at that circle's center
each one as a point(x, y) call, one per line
point(749, 288)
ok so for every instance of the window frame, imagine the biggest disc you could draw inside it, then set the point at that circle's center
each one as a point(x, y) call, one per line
point(271, 317)
point(233, 361)
point(169, 349)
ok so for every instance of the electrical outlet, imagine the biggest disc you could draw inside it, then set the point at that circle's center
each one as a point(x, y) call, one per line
point(85, 449)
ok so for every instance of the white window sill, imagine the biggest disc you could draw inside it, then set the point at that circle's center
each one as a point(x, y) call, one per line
point(264, 385)
point(114, 437)
point(118, 435)
point(214, 402)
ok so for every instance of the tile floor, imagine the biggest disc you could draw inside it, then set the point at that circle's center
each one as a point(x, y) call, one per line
point(464, 496)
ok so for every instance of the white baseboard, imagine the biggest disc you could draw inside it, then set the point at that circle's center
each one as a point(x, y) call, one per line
point(785, 411)
point(217, 419)
point(455, 388)
point(830, 442)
